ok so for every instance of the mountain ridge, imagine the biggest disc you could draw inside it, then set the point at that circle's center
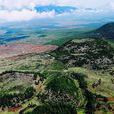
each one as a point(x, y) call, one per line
point(105, 31)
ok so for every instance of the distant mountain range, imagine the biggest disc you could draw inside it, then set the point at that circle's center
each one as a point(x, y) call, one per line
point(105, 31)
point(57, 9)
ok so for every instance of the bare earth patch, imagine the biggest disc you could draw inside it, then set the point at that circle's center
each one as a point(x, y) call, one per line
point(12, 50)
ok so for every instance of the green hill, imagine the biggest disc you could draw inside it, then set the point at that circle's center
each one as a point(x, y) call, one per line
point(62, 95)
point(88, 53)
point(60, 82)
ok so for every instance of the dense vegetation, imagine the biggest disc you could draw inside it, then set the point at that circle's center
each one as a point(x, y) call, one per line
point(61, 95)
point(94, 54)
point(68, 80)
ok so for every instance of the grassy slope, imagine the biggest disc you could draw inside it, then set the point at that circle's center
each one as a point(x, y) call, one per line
point(44, 63)
point(105, 89)
point(111, 42)
point(64, 35)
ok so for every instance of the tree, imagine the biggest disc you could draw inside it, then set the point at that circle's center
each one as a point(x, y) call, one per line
point(29, 92)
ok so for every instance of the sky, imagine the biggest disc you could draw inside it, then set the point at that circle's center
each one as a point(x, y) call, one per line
point(78, 11)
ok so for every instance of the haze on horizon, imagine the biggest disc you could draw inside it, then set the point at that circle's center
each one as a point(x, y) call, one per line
point(72, 11)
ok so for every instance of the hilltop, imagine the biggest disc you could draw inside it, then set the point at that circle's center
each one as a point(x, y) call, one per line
point(87, 53)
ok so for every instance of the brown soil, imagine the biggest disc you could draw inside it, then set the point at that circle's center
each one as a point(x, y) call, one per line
point(22, 49)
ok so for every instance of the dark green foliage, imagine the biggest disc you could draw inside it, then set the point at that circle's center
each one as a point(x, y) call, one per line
point(54, 109)
point(35, 76)
point(90, 97)
point(11, 99)
point(57, 65)
point(94, 54)
point(90, 106)
point(61, 83)
point(81, 79)
point(62, 94)
point(29, 92)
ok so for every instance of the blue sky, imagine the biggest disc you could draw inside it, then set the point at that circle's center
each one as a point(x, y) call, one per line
point(64, 11)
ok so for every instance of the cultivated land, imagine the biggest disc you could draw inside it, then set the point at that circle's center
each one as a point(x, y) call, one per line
point(21, 49)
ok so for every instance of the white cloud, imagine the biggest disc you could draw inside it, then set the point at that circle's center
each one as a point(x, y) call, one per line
point(24, 15)
point(112, 5)
point(31, 3)
point(12, 4)
point(23, 10)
